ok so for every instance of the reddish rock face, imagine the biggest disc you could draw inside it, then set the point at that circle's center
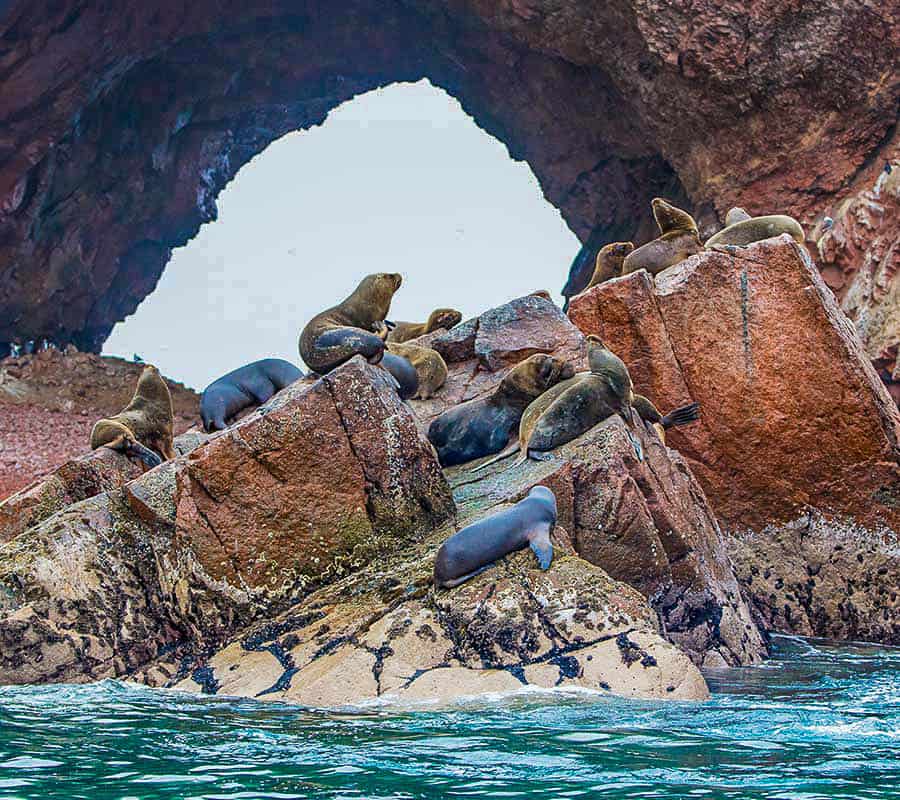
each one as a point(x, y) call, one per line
point(119, 129)
point(323, 479)
point(326, 474)
point(793, 415)
point(50, 401)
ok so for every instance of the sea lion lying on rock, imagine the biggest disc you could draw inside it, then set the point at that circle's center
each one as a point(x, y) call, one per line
point(679, 239)
point(430, 367)
point(403, 372)
point(477, 546)
point(755, 229)
point(574, 406)
point(354, 326)
point(144, 428)
point(440, 318)
point(482, 426)
point(245, 387)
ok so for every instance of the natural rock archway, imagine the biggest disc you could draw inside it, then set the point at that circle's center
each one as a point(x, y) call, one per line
point(120, 123)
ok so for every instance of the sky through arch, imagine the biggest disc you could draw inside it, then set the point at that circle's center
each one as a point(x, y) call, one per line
point(396, 180)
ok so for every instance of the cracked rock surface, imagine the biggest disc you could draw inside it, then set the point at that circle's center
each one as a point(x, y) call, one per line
point(300, 492)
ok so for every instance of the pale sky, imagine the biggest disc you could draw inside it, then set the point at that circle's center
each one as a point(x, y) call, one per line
point(396, 180)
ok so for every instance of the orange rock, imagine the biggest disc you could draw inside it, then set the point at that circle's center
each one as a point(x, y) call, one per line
point(793, 415)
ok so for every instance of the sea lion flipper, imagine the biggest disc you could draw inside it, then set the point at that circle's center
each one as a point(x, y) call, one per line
point(683, 415)
point(542, 548)
point(513, 448)
point(146, 455)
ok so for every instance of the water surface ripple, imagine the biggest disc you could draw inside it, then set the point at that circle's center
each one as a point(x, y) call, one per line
point(817, 721)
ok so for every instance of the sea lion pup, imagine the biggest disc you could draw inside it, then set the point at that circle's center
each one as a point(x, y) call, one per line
point(735, 215)
point(428, 364)
point(755, 229)
point(440, 318)
point(477, 546)
point(144, 427)
point(482, 426)
point(574, 406)
point(679, 239)
point(403, 372)
point(609, 262)
point(250, 385)
point(354, 326)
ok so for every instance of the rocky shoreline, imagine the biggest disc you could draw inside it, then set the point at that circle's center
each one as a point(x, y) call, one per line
point(289, 557)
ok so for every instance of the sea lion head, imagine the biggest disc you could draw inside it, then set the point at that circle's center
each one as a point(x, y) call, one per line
point(371, 300)
point(669, 218)
point(735, 215)
point(443, 318)
point(547, 498)
point(609, 261)
point(537, 373)
point(116, 436)
point(602, 361)
point(152, 390)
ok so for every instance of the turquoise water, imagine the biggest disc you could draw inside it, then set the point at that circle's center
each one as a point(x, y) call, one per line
point(816, 722)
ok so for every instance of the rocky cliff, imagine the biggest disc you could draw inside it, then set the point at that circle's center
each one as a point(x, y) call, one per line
point(121, 125)
point(797, 446)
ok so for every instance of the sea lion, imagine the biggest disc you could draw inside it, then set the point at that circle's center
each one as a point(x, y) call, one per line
point(428, 364)
point(756, 229)
point(571, 407)
point(482, 426)
point(683, 415)
point(247, 386)
point(477, 546)
point(354, 326)
point(403, 373)
point(440, 318)
point(735, 215)
point(144, 427)
point(679, 239)
point(609, 262)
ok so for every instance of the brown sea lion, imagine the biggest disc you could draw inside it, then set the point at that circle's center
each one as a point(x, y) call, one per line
point(474, 548)
point(572, 407)
point(428, 364)
point(609, 262)
point(144, 428)
point(755, 229)
point(679, 239)
point(483, 426)
point(440, 318)
point(355, 326)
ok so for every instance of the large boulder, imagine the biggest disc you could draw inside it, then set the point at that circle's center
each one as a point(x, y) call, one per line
point(646, 523)
point(385, 632)
point(321, 480)
point(77, 479)
point(793, 415)
point(794, 419)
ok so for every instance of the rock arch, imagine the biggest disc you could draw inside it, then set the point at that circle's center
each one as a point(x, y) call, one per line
point(120, 123)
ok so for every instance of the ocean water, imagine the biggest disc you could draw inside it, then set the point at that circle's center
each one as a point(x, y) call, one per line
point(817, 721)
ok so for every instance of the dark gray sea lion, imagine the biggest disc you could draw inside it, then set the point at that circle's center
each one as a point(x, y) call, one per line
point(440, 318)
point(144, 428)
point(679, 239)
point(245, 387)
point(404, 374)
point(755, 229)
point(477, 546)
point(354, 326)
point(482, 426)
